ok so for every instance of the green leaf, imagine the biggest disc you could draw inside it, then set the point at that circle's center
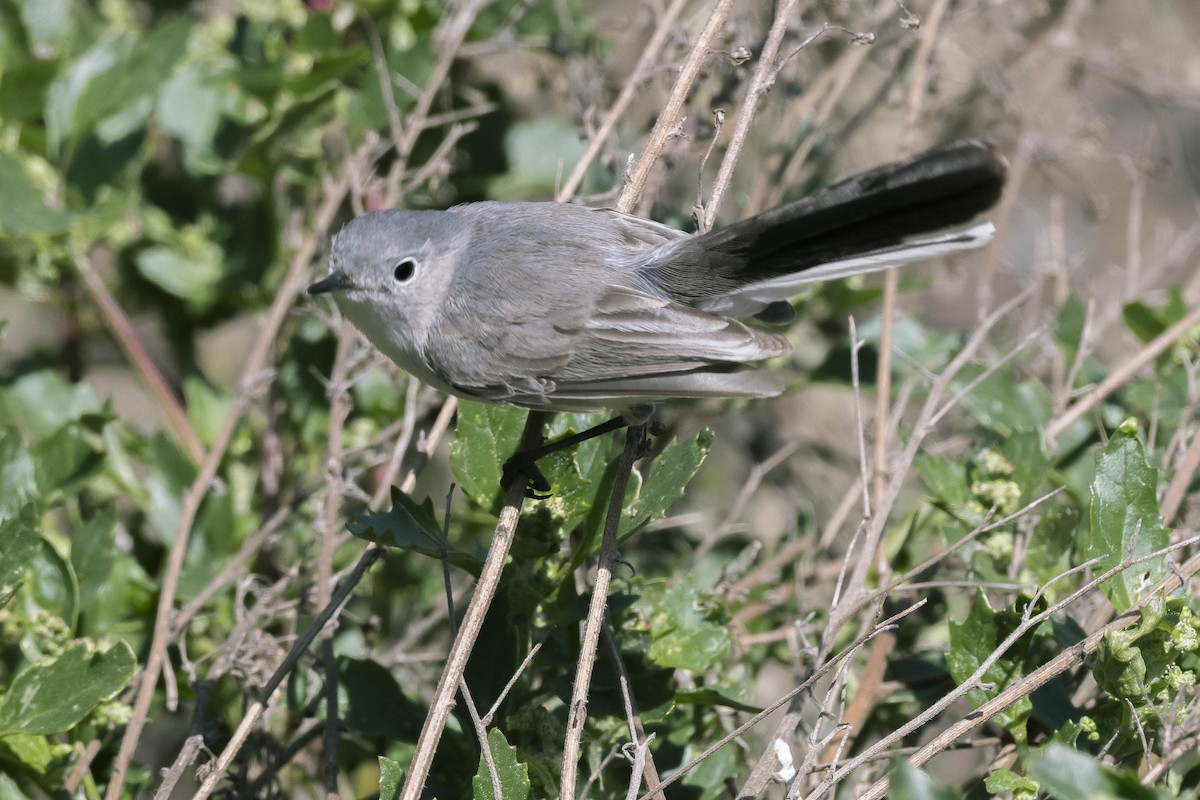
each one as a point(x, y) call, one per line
point(1051, 545)
point(71, 456)
point(116, 101)
point(1068, 328)
point(1143, 321)
point(190, 276)
point(1147, 322)
point(537, 152)
point(685, 627)
point(16, 476)
point(971, 642)
point(711, 697)
point(1165, 395)
point(1030, 463)
point(53, 695)
point(376, 394)
point(1067, 774)
point(23, 88)
point(947, 480)
point(63, 116)
point(581, 474)
point(669, 476)
point(1134, 664)
point(189, 108)
point(485, 437)
point(22, 538)
point(22, 210)
point(513, 775)
point(34, 751)
point(206, 407)
point(1124, 517)
point(9, 789)
point(1002, 403)
point(906, 782)
point(93, 551)
point(48, 23)
point(411, 527)
point(52, 582)
point(372, 702)
point(1003, 781)
point(170, 474)
point(391, 778)
point(41, 402)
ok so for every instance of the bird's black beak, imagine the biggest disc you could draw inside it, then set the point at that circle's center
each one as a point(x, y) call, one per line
point(335, 282)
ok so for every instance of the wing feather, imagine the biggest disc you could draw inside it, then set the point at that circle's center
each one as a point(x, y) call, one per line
point(632, 346)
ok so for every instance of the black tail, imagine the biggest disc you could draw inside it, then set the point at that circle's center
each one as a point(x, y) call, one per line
point(938, 189)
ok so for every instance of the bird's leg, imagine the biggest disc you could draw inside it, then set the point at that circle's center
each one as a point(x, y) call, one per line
point(524, 462)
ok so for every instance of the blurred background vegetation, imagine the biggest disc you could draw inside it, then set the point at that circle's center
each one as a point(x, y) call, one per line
point(183, 438)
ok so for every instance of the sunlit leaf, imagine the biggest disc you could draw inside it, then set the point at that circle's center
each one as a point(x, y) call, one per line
point(1125, 520)
point(513, 775)
point(54, 694)
point(22, 210)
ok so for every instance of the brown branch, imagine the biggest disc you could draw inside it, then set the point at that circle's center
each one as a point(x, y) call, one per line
point(1122, 375)
point(464, 641)
point(256, 710)
point(765, 73)
point(291, 286)
point(577, 711)
point(663, 29)
point(674, 107)
point(123, 331)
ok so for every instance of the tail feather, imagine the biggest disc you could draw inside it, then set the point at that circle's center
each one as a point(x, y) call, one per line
point(880, 211)
point(749, 299)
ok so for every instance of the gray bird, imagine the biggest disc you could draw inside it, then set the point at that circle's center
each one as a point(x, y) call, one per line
point(553, 307)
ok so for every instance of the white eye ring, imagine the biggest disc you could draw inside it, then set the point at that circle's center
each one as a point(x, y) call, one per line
point(405, 270)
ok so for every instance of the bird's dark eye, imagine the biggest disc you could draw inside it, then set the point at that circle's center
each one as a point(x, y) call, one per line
point(405, 270)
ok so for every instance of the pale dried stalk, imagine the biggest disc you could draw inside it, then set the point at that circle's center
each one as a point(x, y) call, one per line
point(472, 623)
point(764, 76)
point(122, 330)
point(1064, 661)
point(674, 107)
point(665, 26)
point(577, 711)
point(290, 288)
point(1122, 375)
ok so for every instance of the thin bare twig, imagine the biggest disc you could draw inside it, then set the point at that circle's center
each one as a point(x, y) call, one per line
point(123, 331)
point(764, 76)
point(664, 28)
point(456, 22)
point(673, 108)
point(289, 289)
point(643, 765)
point(577, 711)
point(472, 623)
point(1177, 488)
point(1026, 685)
point(1121, 375)
point(259, 706)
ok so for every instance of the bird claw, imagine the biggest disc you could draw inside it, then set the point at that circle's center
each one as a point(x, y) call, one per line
point(537, 487)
